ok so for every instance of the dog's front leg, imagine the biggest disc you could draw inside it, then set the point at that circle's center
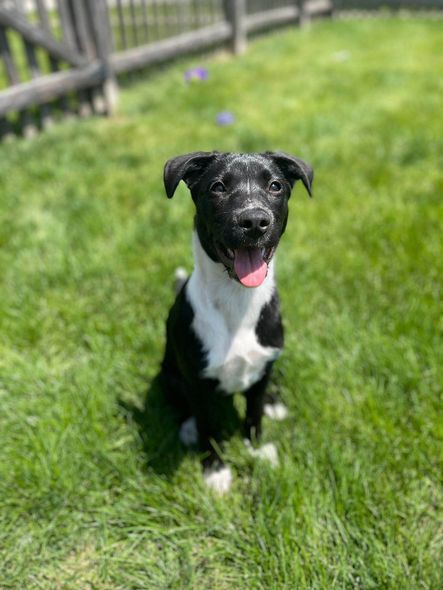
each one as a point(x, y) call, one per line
point(255, 401)
point(256, 404)
point(212, 410)
point(214, 413)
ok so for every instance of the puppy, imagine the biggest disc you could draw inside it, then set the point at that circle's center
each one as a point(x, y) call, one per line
point(224, 330)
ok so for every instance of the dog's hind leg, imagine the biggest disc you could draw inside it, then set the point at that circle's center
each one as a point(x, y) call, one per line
point(173, 388)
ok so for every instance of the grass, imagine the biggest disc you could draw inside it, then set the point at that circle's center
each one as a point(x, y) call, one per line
point(95, 491)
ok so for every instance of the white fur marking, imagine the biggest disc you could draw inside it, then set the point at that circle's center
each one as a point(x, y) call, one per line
point(276, 411)
point(180, 277)
point(219, 480)
point(267, 452)
point(225, 317)
point(188, 433)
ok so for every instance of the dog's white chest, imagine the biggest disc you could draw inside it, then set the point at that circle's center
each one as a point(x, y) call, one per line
point(226, 315)
point(237, 361)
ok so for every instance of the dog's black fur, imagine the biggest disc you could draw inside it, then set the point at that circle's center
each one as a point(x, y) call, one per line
point(241, 202)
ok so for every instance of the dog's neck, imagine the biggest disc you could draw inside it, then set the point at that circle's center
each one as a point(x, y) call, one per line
point(214, 288)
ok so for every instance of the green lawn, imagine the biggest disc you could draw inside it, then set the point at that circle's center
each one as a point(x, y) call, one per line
point(95, 491)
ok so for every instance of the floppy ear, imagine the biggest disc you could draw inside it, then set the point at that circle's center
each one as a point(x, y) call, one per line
point(188, 167)
point(293, 168)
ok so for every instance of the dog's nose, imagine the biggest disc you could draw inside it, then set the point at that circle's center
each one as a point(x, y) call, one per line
point(254, 222)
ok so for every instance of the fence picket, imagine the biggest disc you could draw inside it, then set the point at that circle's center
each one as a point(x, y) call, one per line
point(84, 43)
point(66, 23)
point(181, 18)
point(43, 16)
point(195, 14)
point(31, 57)
point(6, 55)
point(134, 23)
point(28, 125)
point(155, 17)
point(82, 29)
point(145, 21)
point(236, 12)
point(122, 24)
point(103, 42)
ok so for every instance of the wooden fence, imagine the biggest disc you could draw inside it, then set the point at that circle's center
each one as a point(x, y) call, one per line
point(55, 62)
point(60, 57)
point(365, 5)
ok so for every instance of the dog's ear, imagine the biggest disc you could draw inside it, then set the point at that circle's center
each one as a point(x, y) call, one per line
point(188, 167)
point(293, 169)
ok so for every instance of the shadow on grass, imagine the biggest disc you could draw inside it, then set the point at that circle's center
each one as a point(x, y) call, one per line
point(158, 425)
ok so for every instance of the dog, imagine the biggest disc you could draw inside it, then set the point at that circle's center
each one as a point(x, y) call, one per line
point(224, 331)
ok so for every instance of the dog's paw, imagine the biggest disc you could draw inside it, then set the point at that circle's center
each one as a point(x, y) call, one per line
point(188, 433)
point(218, 479)
point(277, 411)
point(267, 452)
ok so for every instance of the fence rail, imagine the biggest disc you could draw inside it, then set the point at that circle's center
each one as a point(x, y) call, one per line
point(388, 4)
point(59, 57)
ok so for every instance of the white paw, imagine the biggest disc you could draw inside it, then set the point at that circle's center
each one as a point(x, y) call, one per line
point(218, 479)
point(276, 411)
point(267, 452)
point(188, 434)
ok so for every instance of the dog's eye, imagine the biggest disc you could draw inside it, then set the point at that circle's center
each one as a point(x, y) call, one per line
point(218, 187)
point(275, 186)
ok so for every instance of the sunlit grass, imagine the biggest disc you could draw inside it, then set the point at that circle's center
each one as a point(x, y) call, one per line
point(95, 492)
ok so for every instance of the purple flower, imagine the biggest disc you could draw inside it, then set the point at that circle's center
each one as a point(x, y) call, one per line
point(196, 74)
point(225, 118)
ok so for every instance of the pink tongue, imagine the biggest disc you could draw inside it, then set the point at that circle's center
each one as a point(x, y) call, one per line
point(250, 267)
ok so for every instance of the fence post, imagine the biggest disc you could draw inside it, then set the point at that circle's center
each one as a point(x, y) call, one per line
point(103, 41)
point(235, 11)
point(304, 17)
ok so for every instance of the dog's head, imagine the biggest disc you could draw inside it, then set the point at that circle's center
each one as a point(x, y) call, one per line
point(242, 205)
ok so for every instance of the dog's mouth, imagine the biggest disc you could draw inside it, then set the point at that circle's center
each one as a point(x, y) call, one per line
point(247, 265)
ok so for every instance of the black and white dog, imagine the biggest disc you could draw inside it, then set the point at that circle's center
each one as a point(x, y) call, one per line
point(224, 330)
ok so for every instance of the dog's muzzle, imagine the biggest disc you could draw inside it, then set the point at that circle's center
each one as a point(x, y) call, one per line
point(248, 260)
